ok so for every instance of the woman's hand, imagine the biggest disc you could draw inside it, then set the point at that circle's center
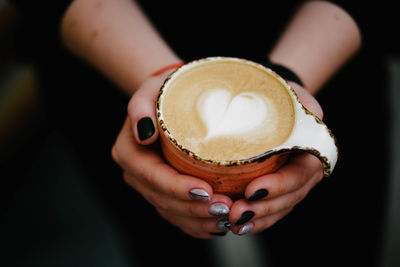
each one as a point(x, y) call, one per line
point(185, 201)
point(270, 197)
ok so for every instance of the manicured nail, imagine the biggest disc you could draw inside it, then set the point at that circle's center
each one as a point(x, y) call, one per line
point(245, 229)
point(218, 209)
point(199, 194)
point(259, 194)
point(245, 217)
point(224, 225)
point(145, 128)
point(218, 234)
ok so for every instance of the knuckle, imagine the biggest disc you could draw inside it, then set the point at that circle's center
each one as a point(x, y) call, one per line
point(168, 217)
point(281, 186)
point(191, 209)
point(287, 211)
point(132, 181)
point(173, 189)
point(196, 234)
point(157, 201)
point(135, 101)
point(266, 209)
point(268, 223)
point(114, 154)
point(302, 173)
point(127, 178)
point(204, 227)
point(292, 202)
point(149, 176)
point(320, 176)
point(131, 105)
point(298, 196)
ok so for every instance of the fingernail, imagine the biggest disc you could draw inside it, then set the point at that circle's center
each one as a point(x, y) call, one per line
point(218, 209)
point(259, 194)
point(224, 225)
point(245, 217)
point(218, 234)
point(199, 194)
point(145, 128)
point(245, 229)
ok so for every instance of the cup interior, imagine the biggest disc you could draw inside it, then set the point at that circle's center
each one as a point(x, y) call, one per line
point(164, 128)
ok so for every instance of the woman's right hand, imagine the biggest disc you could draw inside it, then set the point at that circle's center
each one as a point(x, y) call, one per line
point(185, 201)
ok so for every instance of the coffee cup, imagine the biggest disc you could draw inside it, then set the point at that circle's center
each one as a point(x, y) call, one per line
point(228, 120)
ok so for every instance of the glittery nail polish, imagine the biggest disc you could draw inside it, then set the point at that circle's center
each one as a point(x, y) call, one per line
point(218, 209)
point(199, 194)
point(246, 228)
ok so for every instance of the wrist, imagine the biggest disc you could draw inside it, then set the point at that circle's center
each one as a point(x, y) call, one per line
point(318, 40)
point(158, 77)
point(167, 68)
point(285, 72)
point(162, 73)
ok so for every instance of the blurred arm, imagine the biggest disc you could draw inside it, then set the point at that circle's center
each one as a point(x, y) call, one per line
point(318, 40)
point(117, 38)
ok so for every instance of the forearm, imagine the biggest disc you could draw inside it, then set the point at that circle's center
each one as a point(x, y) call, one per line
point(319, 39)
point(116, 38)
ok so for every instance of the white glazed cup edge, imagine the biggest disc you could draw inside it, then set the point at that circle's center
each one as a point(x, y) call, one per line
point(309, 133)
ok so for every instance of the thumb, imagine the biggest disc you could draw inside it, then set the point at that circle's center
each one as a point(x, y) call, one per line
point(142, 110)
point(307, 100)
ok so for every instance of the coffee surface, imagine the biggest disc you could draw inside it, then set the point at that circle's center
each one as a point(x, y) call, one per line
point(227, 110)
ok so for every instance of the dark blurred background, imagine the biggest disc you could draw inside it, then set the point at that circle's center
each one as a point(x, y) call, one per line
point(64, 203)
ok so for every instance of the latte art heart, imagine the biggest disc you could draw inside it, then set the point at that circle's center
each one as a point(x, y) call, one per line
point(226, 111)
point(240, 115)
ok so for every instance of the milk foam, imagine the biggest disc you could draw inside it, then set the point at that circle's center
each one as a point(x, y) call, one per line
point(226, 110)
point(242, 115)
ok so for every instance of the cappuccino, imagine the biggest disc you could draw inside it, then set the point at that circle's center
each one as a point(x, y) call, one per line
point(227, 110)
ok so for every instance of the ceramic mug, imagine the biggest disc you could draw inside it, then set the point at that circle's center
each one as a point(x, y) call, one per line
point(309, 134)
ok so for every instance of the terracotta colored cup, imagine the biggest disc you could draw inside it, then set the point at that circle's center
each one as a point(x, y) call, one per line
point(309, 134)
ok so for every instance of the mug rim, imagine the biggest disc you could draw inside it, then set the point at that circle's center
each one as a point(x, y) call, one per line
point(258, 158)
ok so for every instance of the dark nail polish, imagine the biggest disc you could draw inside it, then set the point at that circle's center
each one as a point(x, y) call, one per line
point(218, 234)
point(259, 194)
point(245, 217)
point(224, 225)
point(145, 128)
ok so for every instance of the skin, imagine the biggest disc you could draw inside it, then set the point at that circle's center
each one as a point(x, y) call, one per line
point(117, 39)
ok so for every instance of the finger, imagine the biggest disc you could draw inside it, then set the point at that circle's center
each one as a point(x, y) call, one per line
point(125, 148)
point(293, 175)
point(197, 227)
point(219, 205)
point(260, 224)
point(144, 164)
point(307, 100)
point(142, 111)
point(243, 211)
point(169, 181)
